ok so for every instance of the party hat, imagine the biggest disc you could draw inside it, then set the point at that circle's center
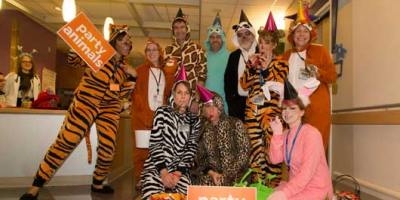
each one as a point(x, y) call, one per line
point(217, 20)
point(180, 16)
point(244, 18)
point(181, 75)
point(290, 92)
point(205, 95)
point(302, 13)
point(270, 26)
point(302, 17)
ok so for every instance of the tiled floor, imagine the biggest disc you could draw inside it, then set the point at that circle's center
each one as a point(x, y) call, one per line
point(123, 186)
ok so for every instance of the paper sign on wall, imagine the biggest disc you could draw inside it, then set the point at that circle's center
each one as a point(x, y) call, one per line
point(221, 193)
point(84, 38)
point(49, 79)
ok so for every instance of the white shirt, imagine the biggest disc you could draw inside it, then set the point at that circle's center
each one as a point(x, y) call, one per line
point(156, 80)
point(11, 89)
point(296, 69)
point(244, 57)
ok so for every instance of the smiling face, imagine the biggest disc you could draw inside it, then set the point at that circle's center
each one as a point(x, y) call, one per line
point(152, 53)
point(301, 37)
point(292, 113)
point(181, 96)
point(180, 30)
point(245, 38)
point(26, 64)
point(123, 45)
point(216, 42)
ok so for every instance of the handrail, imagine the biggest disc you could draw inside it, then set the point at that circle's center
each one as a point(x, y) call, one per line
point(385, 106)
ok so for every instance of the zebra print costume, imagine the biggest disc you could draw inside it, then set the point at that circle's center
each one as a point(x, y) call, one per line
point(173, 145)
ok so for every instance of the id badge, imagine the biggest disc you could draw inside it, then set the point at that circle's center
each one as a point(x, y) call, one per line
point(114, 87)
point(258, 100)
point(304, 74)
point(157, 100)
point(183, 127)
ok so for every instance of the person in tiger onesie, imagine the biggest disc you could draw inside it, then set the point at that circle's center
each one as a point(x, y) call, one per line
point(263, 78)
point(97, 99)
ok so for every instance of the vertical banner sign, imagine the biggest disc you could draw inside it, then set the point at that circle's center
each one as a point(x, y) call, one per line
point(83, 37)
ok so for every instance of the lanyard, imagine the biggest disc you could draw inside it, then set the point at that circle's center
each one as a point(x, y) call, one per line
point(158, 81)
point(261, 72)
point(289, 154)
point(301, 57)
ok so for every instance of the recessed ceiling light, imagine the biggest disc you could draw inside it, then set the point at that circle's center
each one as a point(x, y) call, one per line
point(68, 10)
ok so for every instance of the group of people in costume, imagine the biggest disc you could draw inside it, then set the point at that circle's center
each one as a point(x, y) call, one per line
point(212, 114)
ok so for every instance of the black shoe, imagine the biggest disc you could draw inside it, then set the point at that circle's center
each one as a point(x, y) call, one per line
point(28, 196)
point(105, 190)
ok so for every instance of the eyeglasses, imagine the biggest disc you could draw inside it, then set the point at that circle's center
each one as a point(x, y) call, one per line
point(151, 50)
point(247, 33)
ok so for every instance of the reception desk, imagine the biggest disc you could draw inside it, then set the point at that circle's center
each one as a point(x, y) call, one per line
point(26, 135)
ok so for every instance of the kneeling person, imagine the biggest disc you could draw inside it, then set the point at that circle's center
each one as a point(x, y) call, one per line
point(224, 148)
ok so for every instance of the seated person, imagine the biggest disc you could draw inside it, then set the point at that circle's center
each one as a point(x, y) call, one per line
point(173, 144)
point(23, 85)
point(224, 147)
point(300, 147)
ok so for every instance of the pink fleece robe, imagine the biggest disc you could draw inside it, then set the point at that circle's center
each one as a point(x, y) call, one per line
point(309, 177)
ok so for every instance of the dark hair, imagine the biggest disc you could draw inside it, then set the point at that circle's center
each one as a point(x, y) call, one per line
point(296, 101)
point(178, 20)
point(185, 83)
point(32, 72)
point(119, 37)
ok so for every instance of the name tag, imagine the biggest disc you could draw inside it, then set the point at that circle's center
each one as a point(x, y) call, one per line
point(114, 87)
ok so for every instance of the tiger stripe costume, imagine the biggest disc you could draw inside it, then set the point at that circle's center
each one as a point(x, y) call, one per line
point(93, 102)
point(173, 145)
point(257, 117)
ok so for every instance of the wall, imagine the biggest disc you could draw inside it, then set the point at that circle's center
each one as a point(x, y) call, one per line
point(369, 32)
point(31, 36)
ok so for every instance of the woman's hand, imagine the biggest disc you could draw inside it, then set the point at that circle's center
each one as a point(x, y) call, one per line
point(216, 177)
point(176, 177)
point(129, 70)
point(265, 59)
point(253, 59)
point(167, 179)
point(276, 126)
